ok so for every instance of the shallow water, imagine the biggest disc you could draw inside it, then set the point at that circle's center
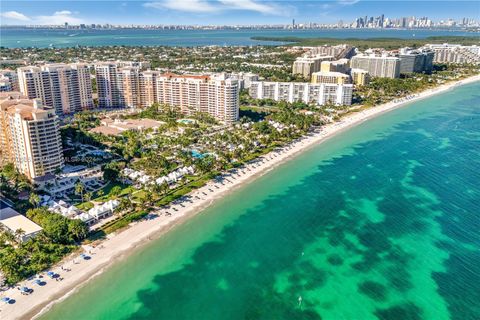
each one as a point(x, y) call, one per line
point(379, 222)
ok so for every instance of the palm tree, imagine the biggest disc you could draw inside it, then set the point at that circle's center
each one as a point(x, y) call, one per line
point(125, 203)
point(34, 199)
point(88, 196)
point(100, 193)
point(79, 188)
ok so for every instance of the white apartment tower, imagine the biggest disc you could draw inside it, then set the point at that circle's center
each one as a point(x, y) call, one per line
point(320, 94)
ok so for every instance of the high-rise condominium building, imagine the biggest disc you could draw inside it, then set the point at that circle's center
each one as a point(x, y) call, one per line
point(29, 135)
point(416, 60)
point(341, 65)
point(308, 65)
point(10, 80)
point(338, 52)
point(330, 77)
point(5, 84)
point(219, 98)
point(109, 88)
point(129, 87)
point(360, 77)
point(455, 53)
point(148, 83)
point(65, 87)
point(377, 66)
point(319, 94)
point(244, 79)
point(129, 84)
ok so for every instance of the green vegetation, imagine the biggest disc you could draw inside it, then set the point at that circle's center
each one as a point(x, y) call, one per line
point(362, 44)
point(124, 221)
point(13, 184)
point(19, 260)
point(197, 59)
point(381, 90)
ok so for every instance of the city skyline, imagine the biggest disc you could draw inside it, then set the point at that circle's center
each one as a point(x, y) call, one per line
point(223, 12)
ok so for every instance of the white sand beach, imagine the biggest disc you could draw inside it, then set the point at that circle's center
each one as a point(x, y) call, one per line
point(120, 244)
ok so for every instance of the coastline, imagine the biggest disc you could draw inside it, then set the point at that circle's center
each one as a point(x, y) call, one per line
point(119, 245)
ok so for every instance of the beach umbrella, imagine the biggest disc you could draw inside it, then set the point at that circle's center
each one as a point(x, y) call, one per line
point(25, 289)
point(51, 274)
point(37, 281)
point(5, 299)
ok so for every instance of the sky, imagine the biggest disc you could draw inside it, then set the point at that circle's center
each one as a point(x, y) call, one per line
point(224, 12)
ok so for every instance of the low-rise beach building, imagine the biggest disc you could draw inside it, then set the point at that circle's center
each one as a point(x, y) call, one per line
point(18, 224)
point(115, 127)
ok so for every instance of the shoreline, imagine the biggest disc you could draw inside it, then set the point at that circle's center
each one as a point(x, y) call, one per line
point(120, 244)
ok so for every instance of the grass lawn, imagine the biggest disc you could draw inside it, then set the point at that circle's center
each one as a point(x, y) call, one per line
point(126, 189)
point(85, 206)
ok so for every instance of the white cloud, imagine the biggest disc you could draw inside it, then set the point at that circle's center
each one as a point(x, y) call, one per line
point(14, 15)
point(62, 13)
point(249, 5)
point(183, 5)
point(58, 17)
point(347, 2)
point(204, 6)
point(338, 4)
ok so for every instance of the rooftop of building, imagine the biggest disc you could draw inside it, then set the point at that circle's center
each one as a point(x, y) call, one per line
point(15, 221)
point(374, 56)
point(171, 75)
point(115, 126)
point(313, 57)
point(358, 70)
point(330, 73)
point(16, 103)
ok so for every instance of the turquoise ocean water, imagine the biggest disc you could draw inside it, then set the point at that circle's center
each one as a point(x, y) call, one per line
point(379, 222)
point(42, 38)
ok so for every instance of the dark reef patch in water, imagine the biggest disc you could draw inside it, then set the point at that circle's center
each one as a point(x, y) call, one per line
point(374, 290)
point(407, 311)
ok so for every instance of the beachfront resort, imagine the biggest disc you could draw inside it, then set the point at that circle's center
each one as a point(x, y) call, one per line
point(127, 142)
